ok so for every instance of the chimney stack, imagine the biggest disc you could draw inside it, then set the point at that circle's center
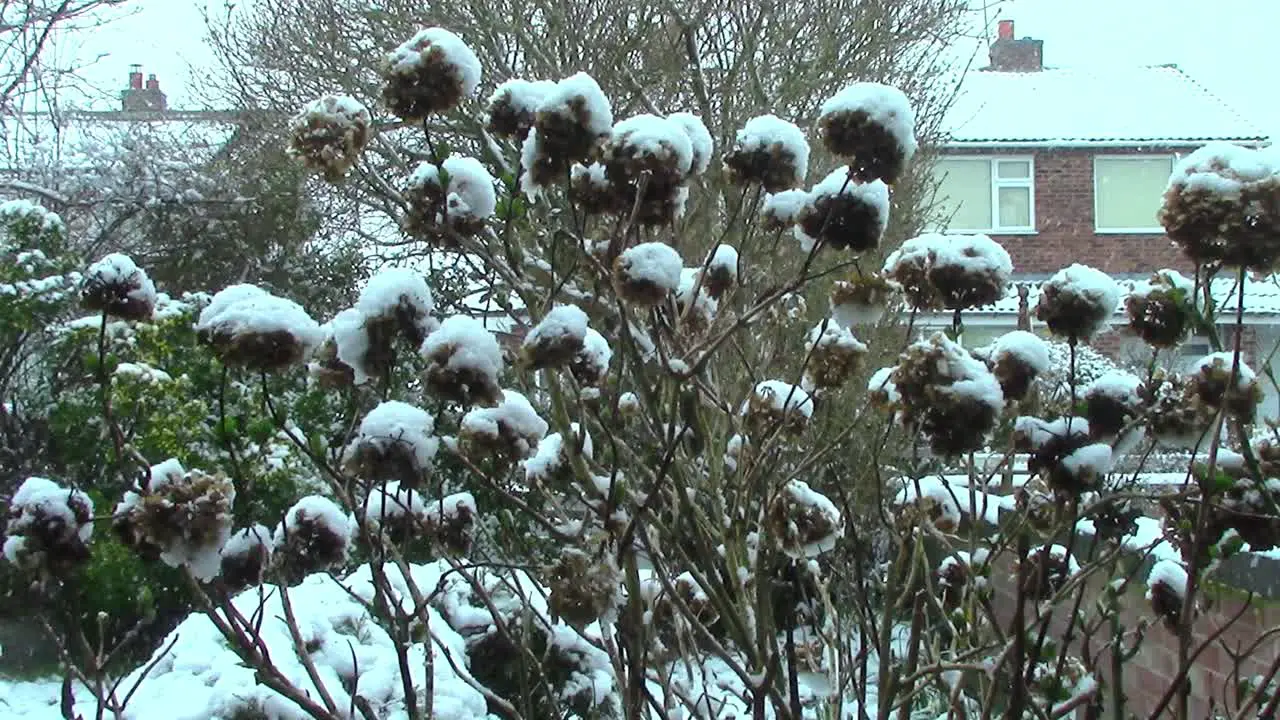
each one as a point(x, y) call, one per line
point(140, 97)
point(1009, 54)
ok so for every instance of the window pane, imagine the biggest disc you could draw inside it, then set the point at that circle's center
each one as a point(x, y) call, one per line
point(964, 194)
point(1015, 207)
point(1008, 169)
point(1129, 192)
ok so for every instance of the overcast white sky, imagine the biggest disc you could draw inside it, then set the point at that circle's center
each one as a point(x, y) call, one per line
point(1230, 45)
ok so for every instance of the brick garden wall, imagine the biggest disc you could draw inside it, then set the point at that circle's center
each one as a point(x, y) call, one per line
point(1150, 673)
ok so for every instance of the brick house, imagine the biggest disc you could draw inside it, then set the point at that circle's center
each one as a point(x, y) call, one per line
point(1065, 165)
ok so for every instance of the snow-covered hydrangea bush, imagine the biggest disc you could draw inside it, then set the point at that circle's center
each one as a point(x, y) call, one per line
point(633, 464)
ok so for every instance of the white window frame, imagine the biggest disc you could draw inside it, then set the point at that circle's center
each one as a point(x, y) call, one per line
point(1097, 228)
point(997, 182)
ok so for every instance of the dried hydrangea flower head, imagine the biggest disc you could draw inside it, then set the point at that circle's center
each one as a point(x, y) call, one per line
point(647, 159)
point(647, 145)
point(647, 273)
point(928, 499)
point(1077, 303)
point(1213, 386)
point(395, 304)
point(1222, 206)
point(572, 120)
point(585, 587)
point(1017, 359)
point(590, 366)
point(1111, 403)
point(328, 134)
point(863, 299)
point(947, 394)
point(846, 214)
point(116, 287)
point(873, 127)
point(429, 73)
point(722, 271)
point(551, 462)
point(183, 517)
point(770, 152)
point(249, 327)
point(461, 205)
point(834, 355)
point(501, 435)
point(393, 442)
point(1174, 413)
point(955, 272)
point(557, 339)
point(700, 140)
point(339, 361)
point(781, 210)
point(395, 510)
point(1167, 590)
point(450, 523)
point(513, 106)
point(908, 267)
point(694, 303)
point(1160, 309)
point(953, 577)
point(314, 535)
point(464, 362)
point(246, 556)
point(593, 193)
point(969, 271)
point(1044, 573)
point(774, 404)
point(880, 389)
point(802, 521)
point(49, 527)
point(1063, 453)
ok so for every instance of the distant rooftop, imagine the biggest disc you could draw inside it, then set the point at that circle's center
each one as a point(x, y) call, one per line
point(1018, 102)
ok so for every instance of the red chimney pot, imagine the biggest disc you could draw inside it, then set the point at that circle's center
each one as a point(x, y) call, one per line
point(1004, 30)
point(152, 82)
point(135, 77)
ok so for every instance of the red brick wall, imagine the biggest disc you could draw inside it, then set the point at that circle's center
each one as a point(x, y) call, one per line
point(1065, 222)
point(1150, 673)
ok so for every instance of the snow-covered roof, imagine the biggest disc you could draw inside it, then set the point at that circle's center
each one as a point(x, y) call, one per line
point(79, 139)
point(1085, 107)
point(1261, 297)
